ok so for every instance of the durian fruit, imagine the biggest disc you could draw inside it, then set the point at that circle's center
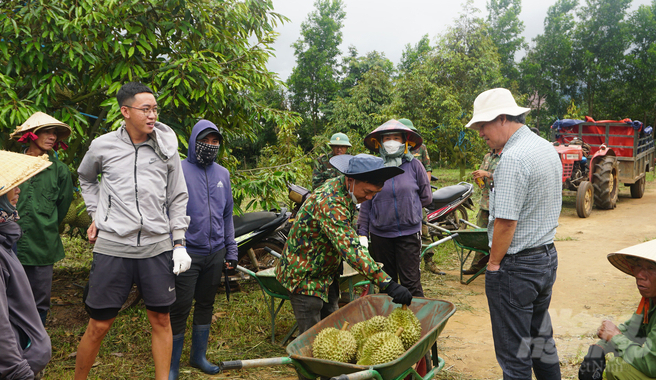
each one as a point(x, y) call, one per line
point(381, 348)
point(335, 345)
point(365, 329)
point(404, 317)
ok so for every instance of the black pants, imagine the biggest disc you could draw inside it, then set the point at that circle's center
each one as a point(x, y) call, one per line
point(199, 283)
point(400, 258)
point(40, 278)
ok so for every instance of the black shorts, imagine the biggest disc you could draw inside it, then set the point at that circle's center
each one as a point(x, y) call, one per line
point(111, 279)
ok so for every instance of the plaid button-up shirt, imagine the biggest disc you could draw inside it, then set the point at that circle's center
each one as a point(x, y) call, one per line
point(528, 189)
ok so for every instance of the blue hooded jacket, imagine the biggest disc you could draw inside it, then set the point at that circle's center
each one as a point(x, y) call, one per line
point(210, 203)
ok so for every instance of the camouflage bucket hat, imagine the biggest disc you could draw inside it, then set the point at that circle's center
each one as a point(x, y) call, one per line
point(364, 167)
point(339, 139)
point(373, 140)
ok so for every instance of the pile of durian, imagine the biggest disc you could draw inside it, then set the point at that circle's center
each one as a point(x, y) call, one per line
point(375, 341)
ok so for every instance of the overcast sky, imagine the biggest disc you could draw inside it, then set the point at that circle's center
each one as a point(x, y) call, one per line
point(388, 25)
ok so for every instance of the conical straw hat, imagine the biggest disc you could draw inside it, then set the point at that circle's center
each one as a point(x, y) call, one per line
point(642, 251)
point(41, 120)
point(16, 168)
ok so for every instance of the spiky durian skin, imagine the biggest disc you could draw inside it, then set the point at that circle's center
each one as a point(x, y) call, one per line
point(381, 348)
point(335, 345)
point(375, 325)
point(410, 323)
point(365, 329)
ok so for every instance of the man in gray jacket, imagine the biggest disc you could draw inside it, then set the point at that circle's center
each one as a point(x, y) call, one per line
point(136, 207)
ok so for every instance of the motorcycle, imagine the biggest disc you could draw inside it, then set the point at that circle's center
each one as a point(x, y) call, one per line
point(448, 211)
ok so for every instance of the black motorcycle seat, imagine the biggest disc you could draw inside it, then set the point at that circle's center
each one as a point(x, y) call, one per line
point(252, 221)
point(448, 194)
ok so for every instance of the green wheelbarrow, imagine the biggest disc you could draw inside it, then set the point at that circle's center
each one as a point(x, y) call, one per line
point(274, 291)
point(468, 242)
point(433, 315)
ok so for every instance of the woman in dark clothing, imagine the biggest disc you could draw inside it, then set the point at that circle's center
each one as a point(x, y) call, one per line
point(24, 344)
point(210, 243)
point(392, 219)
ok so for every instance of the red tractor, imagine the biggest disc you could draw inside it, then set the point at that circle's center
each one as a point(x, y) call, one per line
point(597, 156)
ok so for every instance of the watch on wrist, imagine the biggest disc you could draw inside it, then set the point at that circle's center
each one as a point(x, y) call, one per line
point(182, 242)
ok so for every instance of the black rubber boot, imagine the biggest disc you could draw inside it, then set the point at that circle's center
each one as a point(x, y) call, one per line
point(199, 337)
point(178, 342)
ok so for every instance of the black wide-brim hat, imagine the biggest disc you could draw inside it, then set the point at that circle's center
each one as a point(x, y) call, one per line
point(365, 167)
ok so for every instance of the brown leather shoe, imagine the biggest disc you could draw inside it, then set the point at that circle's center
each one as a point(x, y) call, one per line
point(472, 270)
point(432, 267)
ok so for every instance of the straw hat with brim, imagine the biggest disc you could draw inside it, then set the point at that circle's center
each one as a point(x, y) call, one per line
point(39, 121)
point(374, 139)
point(492, 103)
point(641, 251)
point(16, 168)
point(364, 167)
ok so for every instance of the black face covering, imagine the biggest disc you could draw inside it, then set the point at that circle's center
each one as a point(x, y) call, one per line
point(206, 153)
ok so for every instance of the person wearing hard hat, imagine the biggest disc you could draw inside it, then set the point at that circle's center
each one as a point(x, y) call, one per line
point(323, 170)
point(525, 205)
point(43, 205)
point(25, 347)
point(633, 343)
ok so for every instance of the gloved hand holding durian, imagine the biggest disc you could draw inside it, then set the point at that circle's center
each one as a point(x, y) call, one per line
point(375, 341)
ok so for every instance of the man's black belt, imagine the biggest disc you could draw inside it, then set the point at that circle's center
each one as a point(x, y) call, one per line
point(535, 250)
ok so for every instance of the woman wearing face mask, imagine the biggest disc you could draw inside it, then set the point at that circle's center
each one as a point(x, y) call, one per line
point(392, 218)
point(25, 347)
point(210, 242)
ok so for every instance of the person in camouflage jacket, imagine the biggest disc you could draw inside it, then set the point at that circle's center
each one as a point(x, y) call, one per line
point(485, 173)
point(323, 170)
point(322, 237)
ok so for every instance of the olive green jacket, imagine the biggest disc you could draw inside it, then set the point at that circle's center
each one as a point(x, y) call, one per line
point(42, 204)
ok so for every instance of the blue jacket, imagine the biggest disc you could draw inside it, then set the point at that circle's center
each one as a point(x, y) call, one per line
point(210, 203)
point(397, 209)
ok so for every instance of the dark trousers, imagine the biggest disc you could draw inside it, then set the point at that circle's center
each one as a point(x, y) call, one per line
point(199, 283)
point(400, 258)
point(309, 310)
point(40, 278)
point(518, 295)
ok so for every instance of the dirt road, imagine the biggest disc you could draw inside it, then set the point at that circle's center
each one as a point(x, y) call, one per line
point(588, 288)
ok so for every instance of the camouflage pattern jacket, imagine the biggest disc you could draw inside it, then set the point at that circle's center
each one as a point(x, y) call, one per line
point(323, 170)
point(489, 164)
point(421, 154)
point(320, 238)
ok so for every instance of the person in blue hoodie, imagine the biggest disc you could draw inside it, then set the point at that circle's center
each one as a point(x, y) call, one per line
point(391, 220)
point(210, 242)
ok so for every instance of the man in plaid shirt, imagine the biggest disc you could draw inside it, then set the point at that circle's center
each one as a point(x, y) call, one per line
point(524, 207)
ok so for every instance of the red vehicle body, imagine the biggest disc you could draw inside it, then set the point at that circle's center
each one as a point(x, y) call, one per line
point(597, 156)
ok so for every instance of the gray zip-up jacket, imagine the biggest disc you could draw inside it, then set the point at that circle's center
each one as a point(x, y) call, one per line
point(142, 195)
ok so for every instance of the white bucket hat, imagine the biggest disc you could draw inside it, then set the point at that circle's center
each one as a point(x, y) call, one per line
point(641, 251)
point(16, 168)
point(492, 103)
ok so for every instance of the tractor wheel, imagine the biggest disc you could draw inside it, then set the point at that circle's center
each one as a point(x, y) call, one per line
point(638, 188)
point(584, 199)
point(605, 183)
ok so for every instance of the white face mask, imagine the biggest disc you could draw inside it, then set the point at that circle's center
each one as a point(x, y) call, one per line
point(353, 198)
point(391, 146)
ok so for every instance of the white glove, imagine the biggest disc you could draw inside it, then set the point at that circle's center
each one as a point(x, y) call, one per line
point(364, 241)
point(181, 260)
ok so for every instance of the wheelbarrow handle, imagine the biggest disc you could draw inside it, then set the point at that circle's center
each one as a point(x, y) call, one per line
point(362, 375)
point(272, 252)
point(239, 364)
